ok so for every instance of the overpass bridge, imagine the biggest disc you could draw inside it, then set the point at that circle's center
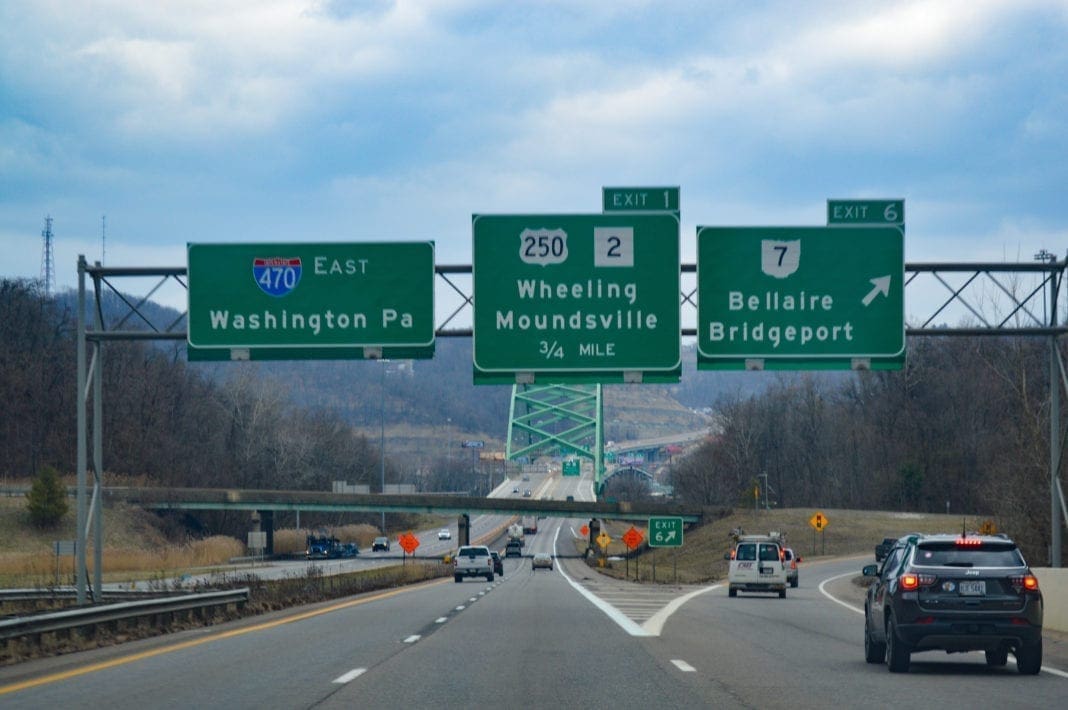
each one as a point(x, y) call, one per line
point(266, 502)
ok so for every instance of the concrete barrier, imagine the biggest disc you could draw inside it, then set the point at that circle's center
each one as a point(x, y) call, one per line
point(1054, 585)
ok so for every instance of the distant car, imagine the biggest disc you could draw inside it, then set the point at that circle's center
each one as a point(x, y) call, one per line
point(514, 548)
point(790, 560)
point(498, 563)
point(953, 593)
point(526, 493)
point(571, 499)
point(515, 490)
point(526, 478)
point(380, 543)
point(348, 549)
point(542, 559)
point(444, 534)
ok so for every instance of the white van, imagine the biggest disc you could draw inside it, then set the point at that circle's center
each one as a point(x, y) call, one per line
point(756, 565)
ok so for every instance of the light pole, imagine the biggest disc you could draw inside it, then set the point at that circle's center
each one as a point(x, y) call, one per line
point(765, 477)
point(382, 438)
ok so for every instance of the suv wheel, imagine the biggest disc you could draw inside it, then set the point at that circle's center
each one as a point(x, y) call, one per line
point(874, 651)
point(782, 593)
point(1029, 658)
point(732, 592)
point(997, 657)
point(898, 653)
point(458, 578)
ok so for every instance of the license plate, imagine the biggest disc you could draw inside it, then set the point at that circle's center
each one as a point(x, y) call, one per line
point(973, 588)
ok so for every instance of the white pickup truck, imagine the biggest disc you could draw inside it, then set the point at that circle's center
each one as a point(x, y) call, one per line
point(473, 561)
point(757, 566)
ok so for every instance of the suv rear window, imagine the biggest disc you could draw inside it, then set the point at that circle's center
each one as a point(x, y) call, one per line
point(949, 555)
point(473, 552)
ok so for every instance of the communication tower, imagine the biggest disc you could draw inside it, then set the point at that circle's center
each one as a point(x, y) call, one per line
point(48, 265)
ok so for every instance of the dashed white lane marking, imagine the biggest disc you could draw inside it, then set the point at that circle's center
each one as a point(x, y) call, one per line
point(413, 638)
point(683, 666)
point(350, 676)
point(460, 608)
point(441, 620)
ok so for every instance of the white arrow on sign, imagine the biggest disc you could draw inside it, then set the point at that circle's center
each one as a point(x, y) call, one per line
point(882, 285)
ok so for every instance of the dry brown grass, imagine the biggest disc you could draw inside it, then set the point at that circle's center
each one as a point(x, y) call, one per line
point(289, 541)
point(33, 569)
point(700, 559)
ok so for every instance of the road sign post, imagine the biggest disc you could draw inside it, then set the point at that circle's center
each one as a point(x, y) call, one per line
point(576, 298)
point(311, 300)
point(800, 297)
point(819, 522)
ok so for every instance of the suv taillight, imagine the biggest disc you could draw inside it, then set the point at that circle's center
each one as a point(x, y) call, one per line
point(1026, 582)
point(911, 581)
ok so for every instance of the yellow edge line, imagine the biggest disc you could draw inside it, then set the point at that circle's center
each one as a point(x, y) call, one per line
point(93, 668)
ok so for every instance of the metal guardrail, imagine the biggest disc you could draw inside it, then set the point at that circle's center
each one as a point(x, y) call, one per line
point(107, 613)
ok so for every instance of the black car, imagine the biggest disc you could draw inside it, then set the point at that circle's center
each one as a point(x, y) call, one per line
point(954, 593)
point(498, 563)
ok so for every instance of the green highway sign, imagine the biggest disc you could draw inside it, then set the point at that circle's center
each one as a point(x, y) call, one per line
point(576, 298)
point(640, 199)
point(857, 212)
point(665, 532)
point(311, 300)
point(571, 467)
point(800, 297)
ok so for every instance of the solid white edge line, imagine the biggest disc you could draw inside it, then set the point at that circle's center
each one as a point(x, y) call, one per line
point(350, 676)
point(614, 614)
point(683, 666)
point(824, 592)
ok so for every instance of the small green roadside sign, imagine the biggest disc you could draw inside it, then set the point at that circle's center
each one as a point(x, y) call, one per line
point(640, 199)
point(576, 298)
point(572, 467)
point(665, 532)
point(800, 297)
point(311, 300)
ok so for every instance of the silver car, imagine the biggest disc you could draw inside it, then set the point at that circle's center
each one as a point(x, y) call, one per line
point(542, 559)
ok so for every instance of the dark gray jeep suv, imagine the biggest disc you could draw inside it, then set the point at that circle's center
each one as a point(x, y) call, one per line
point(954, 593)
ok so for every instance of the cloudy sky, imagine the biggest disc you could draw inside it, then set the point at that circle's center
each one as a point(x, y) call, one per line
point(349, 120)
